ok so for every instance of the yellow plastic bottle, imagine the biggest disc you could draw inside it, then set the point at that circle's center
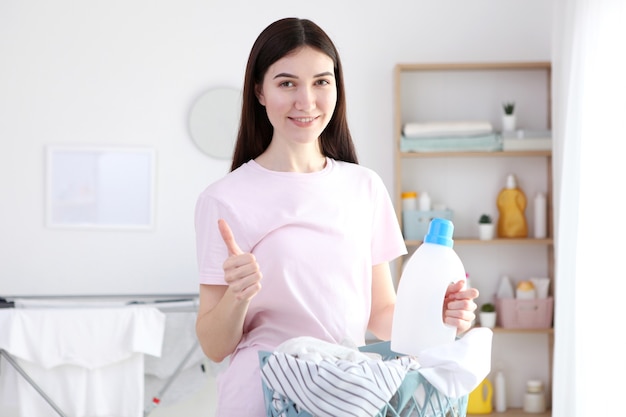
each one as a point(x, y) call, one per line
point(479, 401)
point(511, 205)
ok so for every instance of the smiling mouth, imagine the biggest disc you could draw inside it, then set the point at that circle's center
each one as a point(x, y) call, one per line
point(303, 119)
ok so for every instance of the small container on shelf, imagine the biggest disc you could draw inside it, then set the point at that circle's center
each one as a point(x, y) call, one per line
point(486, 228)
point(540, 211)
point(480, 400)
point(423, 202)
point(535, 398)
point(511, 204)
point(525, 290)
point(415, 222)
point(542, 286)
point(525, 314)
point(409, 200)
point(505, 288)
point(487, 315)
point(500, 392)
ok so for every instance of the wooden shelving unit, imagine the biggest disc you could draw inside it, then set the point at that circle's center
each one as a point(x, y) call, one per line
point(437, 94)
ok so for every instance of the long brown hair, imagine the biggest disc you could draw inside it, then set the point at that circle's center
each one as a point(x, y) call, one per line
point(255, 130)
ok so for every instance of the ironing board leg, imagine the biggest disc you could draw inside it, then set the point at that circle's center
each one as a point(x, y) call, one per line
point(171, 379)
point(28, 379)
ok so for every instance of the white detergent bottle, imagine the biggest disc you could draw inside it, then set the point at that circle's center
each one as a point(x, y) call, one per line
point(500, 392)
point(418, 317)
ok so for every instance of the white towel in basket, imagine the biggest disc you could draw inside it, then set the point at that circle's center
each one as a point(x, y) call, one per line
point(336, 381)
point(455, 369)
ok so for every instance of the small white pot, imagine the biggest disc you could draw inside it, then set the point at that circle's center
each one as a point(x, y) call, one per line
point(486, 231)
point(487, 319)
point(508, 122)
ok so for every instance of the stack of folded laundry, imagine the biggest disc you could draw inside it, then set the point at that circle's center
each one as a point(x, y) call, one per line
point(452, 136)
point(522, 140)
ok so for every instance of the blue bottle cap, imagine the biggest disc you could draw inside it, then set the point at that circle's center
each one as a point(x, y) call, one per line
point(440, 232)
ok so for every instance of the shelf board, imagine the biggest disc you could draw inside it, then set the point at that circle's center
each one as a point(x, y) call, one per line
point(548, 330)
point(464, 154)
point(500, 241)
point(513, 412)
point(442, 66)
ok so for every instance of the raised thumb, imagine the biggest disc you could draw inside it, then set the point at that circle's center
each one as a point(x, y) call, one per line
point(229, 239)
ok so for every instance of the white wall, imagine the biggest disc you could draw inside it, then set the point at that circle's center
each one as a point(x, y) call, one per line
point(126, 72)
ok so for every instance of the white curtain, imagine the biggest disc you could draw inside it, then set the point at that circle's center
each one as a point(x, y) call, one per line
point(589, 124)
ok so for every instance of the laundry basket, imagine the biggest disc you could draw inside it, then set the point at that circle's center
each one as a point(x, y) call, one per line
point(416, 397)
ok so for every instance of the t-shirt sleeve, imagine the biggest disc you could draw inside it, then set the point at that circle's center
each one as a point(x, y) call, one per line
point(387, 241)
point(211, 250)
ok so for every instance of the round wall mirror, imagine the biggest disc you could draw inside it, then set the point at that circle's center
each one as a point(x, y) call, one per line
point(214, 121)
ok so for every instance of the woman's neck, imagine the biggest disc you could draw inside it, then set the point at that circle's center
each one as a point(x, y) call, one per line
point(302, 159)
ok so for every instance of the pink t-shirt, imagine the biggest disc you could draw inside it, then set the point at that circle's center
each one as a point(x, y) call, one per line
point(316, 237)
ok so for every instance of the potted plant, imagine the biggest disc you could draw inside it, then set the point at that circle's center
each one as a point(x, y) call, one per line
point(508, 119)
point(486, 228)
point(487, 315)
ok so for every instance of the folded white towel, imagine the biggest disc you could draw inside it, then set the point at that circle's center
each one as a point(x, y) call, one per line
point(452, 128)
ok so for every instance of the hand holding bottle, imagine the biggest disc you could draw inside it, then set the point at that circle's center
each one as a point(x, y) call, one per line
point(430, 311)
point(459, 306)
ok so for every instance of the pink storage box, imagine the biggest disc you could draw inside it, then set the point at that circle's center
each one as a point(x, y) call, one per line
point(524, 314)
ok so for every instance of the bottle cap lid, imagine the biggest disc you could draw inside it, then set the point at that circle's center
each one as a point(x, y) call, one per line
point(409, 194)
point(511, 181)
point(440, 232)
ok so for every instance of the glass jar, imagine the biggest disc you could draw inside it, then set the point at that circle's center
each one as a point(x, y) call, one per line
point(534, 399)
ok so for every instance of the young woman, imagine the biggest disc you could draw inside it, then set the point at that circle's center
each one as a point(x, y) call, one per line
point(296, 239)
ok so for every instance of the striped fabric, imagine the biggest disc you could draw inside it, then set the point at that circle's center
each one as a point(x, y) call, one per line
point(338, 388)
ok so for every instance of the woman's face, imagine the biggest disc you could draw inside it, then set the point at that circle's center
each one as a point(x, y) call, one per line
point(299, 93)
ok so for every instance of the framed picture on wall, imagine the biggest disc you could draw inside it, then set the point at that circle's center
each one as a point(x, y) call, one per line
point(100, 187)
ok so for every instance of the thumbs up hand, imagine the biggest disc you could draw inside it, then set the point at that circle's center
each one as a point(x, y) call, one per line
point(241, 270)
